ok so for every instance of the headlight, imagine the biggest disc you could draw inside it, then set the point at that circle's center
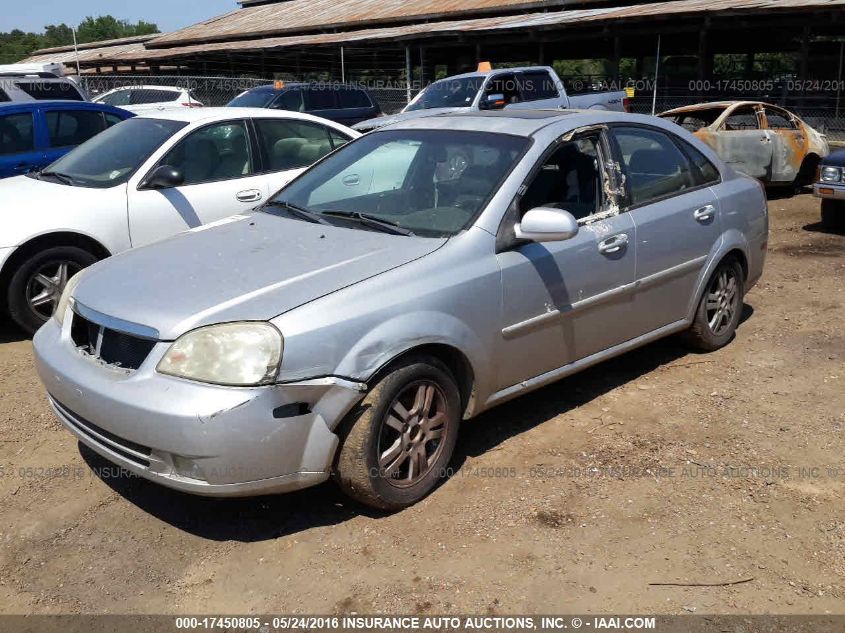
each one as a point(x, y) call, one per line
point(64, 300)
point(831, 174)
point(235, 354)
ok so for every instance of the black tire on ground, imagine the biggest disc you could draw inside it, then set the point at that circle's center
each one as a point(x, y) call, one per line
point(807, 173)
point(833, 214)
point(719, 309)
point(21, 285)
point(379, 462)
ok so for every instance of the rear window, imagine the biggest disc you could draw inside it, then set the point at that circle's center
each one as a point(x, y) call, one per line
point(48, 90)
point(353, 98)
point(119, 98)
point(145, 96)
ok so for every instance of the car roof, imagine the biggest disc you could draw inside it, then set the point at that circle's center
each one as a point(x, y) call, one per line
point(304, 84)
point(493, 71)
point(210, 115)
point(168, 88)
point(516, 122)
point(712, 105)
point(53, 103)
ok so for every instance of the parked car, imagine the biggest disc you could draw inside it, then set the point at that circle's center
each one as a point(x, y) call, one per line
point(142, 180)
point(419, 276)
point(141, 99)
point(757, 139)
point(343, 103)
point(18, 87)
point(533, 87)
point(34, 134)
point(831, 189)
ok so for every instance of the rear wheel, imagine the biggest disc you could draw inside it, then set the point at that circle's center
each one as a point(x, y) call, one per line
point(37, 285)
point(833, 214)
point(397, 443)
point(720, 308)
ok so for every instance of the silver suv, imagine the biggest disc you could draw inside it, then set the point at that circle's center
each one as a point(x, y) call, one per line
point(21, 88)
point(414, 278)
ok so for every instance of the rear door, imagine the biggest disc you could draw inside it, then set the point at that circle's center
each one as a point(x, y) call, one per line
point(321, 101)
point(537, 89)
point(742, 142)
point(218, 163)
point(355, 106)
point(671, 199)
point(789, 145)
point(21, 142)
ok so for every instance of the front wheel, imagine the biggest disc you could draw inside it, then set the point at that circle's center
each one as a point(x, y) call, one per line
point(833, 214)
point(38, 283)
point(397, 444)
point(720, 308)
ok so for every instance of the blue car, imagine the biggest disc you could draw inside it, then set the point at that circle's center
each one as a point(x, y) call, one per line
point(33, 135)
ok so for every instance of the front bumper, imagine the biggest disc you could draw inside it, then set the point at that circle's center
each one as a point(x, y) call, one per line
point(829, 191)
point(198, 438)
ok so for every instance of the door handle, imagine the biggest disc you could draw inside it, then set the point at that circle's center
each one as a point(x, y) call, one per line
point(614, 244)
point(705, 213)
point(253, 195)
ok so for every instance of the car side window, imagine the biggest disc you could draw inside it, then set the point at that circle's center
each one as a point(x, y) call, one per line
point(217, 152)
point(505, 85)
point(290, 144)
point(119, 98)
point(290, 100)
point(338, 139)
point(111, 119)
point(69, 128)
point(319, 99)
point(778, 120)
point(704, 172)
point(654, 166)
point(147, 96)
point(569, 179)
point(536, 85)
point(353, 98)
point(743, 118)
point(17, 134)
point(45, 90)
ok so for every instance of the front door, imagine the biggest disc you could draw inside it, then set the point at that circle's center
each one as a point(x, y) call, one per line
point(19, 151)
point(563, 301)
point(218, 166)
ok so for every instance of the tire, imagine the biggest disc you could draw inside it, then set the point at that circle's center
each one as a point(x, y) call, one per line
point(833, 214)
point(723, 295)
point(387, 424)
point(806, 174)
point(25, 287)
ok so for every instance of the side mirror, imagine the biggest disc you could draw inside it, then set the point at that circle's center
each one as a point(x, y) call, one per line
point(545, 224)
point(495, 101)
point(164, 177)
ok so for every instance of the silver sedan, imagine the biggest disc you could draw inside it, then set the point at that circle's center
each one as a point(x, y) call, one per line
point(412, 279)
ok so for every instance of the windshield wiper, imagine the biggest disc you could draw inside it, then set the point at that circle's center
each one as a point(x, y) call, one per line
point(300, 212)
point(372, 221)
point(62, 178)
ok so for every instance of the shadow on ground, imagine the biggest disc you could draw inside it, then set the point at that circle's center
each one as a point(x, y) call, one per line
point(263, 518)
point(10, 333)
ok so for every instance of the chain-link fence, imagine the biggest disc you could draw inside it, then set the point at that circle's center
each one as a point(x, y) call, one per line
point(820, 104)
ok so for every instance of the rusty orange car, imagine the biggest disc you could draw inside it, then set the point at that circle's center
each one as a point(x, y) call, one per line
point(758, 139)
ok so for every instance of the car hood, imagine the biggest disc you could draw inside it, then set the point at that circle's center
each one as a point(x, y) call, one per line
point(835, 159)
point(31, 207)
point(244, 268)
point(374, 124)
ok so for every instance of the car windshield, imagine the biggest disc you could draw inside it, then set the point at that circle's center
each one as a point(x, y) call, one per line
point(253, 99)
point(110, 158)
point(448, 93)
point(432, 183)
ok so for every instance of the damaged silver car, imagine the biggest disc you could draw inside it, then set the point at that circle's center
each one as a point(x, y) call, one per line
point(412, 279)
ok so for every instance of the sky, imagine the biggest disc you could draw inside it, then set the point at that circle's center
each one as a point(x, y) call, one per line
point(34, 15)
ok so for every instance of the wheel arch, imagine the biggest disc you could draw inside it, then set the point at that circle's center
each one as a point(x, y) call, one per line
point(733, 244)
point(49, 240)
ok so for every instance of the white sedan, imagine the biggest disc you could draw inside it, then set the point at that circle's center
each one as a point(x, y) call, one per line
point(142, 180)
point(144, 99)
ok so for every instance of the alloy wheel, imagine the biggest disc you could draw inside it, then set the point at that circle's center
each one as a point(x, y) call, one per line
point(722, 301)
point(410, 440)
point(46, 285)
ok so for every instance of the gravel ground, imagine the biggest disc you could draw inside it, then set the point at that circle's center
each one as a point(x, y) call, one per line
point(657, 467)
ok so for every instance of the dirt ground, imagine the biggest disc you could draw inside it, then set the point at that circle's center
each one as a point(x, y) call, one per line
point(658, 467)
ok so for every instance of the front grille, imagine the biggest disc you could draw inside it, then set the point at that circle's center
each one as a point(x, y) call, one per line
point(112, 347)
point(135, 453)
